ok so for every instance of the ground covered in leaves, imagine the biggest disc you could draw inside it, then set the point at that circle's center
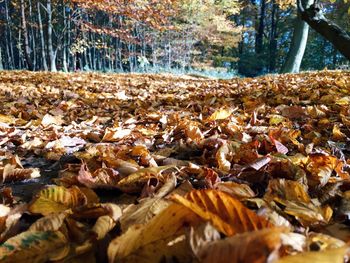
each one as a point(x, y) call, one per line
point(145, 168)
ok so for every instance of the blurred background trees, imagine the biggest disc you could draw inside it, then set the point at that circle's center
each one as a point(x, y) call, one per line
point(245, 37)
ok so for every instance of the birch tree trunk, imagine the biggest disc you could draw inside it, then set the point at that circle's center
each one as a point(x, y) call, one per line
point(25, 37)
point(1, 65)
point(298, 45)
point(8, 39)
point(52, 53)
point(273, 37)
point(42, 40)
point(65, 44)
point(32, 37)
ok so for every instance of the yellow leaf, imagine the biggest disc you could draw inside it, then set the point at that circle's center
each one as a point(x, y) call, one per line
point(34, 247)
point(226, 213)
point(276, 119)
point(281, 191)
point(8, 119)
point(337, 135)
point(220, 114)
point(56, 199)
point(297, 202)
point(309, 214)
point(320, 167)
point(343, 101)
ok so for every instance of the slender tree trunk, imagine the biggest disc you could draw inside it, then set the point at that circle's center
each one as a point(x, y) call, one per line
point(260, 33)
point(32, 35)
point(52, 53)
point(120, 57)
point(42, 40)
point(7, 38)
point(90, 52)
point(25, 37)
point(1, 65)
point(273, 38)
point(11, 42)
point(86, 66)
point(94, 54)
point(298, 44)
point(130, 58)
point(20, 51)
point(69, 36)
point(64, 48)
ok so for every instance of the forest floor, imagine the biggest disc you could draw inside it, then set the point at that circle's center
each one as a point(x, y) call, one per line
point(161, 168)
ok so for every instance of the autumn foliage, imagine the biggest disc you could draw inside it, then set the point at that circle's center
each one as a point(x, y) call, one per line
point(159, 168)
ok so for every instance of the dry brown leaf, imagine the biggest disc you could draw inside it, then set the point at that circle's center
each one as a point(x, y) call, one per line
point(101, 178)
point(333, 255)
point(239, 191)
point(167, 225)
point(257, 246)
point(134, 182)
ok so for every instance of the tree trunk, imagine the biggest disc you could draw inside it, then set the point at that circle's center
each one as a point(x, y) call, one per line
point(298, 45)
point(25, 37)
point(333, 33)
point(1, 65)
point(42, 40)
point(273, 37)
point(32, 35)
point(7, 38)
point(334, 58)
point(20, 51)
point(52, 53)
point(260, 33)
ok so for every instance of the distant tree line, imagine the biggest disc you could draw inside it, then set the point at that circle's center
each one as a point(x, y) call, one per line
point(249, 37)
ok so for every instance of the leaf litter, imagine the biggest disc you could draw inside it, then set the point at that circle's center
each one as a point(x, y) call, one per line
point(160, 168)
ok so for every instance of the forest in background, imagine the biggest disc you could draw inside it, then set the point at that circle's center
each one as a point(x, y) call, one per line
point(227, 37)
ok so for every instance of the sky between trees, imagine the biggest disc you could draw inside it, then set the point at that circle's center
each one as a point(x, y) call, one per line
point(245, 37)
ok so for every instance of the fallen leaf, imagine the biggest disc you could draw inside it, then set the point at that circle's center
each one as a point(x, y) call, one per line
point(55, 199)
point(333, 255)
point(156, 234)
point(135, 181)
point(226, 213)
point(257, 246)
point(34, 246)
point(220, 114)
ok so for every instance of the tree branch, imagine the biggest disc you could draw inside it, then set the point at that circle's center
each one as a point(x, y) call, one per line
point(336, 35)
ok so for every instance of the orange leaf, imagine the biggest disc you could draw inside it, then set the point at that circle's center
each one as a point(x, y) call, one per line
point(226, 213)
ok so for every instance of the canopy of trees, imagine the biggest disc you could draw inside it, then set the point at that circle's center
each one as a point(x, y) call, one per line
point(248, 37)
